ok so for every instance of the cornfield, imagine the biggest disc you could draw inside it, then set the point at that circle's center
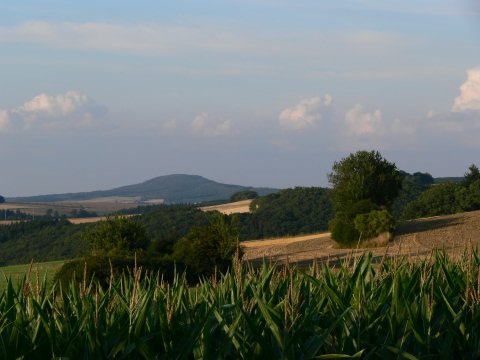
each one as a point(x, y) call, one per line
point(365, 308)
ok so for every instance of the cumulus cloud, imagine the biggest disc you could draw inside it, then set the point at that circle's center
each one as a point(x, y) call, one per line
point(72, 109)
point(360, 122)
point(464, 116)
point(306, 113)
point(469, 98)
point(202, 125)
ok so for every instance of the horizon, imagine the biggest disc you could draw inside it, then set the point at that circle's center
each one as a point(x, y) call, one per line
point(257, 92)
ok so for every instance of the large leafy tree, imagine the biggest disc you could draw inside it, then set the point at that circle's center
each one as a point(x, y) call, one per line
point(365, 175)
point(363, 183)
point(117, 235)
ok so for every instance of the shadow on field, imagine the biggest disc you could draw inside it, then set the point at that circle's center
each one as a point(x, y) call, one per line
point(417, 226)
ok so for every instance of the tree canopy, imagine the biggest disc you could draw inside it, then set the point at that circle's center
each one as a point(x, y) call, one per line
point(117, 235)
point(363, 183)
point(364, 175)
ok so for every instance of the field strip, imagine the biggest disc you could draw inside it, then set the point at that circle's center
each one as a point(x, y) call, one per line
point(242, 206)
point(284, 241)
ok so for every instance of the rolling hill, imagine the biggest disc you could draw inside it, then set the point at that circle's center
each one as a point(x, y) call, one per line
point(177, 188)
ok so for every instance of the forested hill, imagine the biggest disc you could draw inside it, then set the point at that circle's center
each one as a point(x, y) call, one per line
point(178, 188)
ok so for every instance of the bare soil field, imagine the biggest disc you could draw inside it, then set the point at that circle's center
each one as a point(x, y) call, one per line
point(415, 239)
point(230, 208)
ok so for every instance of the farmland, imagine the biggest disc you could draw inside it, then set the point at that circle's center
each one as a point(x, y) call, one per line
point(98, 205)
point(415, 238)
point(236, 207)
point(16, 273)
point(362, 309)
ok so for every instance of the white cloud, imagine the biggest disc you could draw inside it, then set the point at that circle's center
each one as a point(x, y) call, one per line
point(307, 113)
point(5, 123)
point(469, 98)
point(360, 122)
point(70, 110)
point(203, 126)
point(464, 116)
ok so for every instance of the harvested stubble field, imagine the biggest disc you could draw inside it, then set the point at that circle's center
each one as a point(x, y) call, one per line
point(242, 206)
point(415, 239)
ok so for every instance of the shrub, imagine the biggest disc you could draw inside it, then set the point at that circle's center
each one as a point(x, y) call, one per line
point(343, 231)
point(101, 268)
point(209, 247)
point(374, 223)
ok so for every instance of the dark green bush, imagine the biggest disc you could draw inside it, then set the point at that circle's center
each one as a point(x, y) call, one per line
point(101, 268)
point(374, 223)
point(344, 232)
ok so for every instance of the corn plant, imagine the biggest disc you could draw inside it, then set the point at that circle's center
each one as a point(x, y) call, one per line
point(365, 308)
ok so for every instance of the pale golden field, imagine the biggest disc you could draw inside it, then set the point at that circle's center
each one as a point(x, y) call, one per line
point(413, 239)
point(230, 208)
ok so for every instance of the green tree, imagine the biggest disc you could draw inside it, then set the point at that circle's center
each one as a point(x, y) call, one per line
point(471, 176)
point(2, 199)
point(441, 199)
point(363, 183)
point(205, 248)
point(364, 175)
point(117, 235)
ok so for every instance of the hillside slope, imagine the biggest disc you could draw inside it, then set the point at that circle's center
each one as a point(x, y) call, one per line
point(414, 239)
point(177, 188)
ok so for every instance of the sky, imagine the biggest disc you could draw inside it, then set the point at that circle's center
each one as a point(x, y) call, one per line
point(95, 95)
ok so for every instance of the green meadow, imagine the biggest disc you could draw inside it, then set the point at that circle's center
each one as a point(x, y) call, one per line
point(44, 271)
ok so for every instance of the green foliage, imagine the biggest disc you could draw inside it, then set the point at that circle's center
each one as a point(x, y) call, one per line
point(374, 223)
point(41, 240)
point(300, 210)
point(243, 195)
point(172, 221)
point(104, 268)
point(394, 309)
point(118, 235)
point(2, 199)
point(447, 197)
point(468, 197)
point(471, 176)
point(205, 248)
point(364, 175)
point(344, 232)
point(438, 200)
point(412, 187)
point(362, 183)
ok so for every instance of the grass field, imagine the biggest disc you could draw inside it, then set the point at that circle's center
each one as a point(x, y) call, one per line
point(18, 272)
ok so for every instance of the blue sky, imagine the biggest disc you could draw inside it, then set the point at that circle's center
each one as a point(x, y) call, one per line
point(266, 93)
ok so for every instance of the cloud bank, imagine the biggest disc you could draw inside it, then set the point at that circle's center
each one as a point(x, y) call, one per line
point(203, 126)
point(72, 109)
point(307, 113)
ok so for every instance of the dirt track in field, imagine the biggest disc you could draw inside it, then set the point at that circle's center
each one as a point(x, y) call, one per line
point(414, 239)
